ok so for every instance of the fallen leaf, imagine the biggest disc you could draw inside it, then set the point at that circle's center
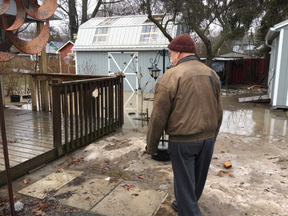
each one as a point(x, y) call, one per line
point(40, 213)
point(26, 181)
point(44, 206)
point(88, 198)
point(127, 187)
point(224, 171)
point(231, 175)
point(113, 180)
point(220, 174)
point(141, 176)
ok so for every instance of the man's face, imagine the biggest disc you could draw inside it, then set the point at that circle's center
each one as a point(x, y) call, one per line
point(174, 57)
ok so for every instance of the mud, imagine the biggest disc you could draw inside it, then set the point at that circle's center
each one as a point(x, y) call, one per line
point(253, 138)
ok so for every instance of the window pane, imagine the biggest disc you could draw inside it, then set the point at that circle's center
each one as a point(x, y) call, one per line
point(101, 38)
point(103, 30)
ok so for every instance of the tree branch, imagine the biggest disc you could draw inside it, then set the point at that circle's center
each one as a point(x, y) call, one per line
point(96, 8)
point(163, 30)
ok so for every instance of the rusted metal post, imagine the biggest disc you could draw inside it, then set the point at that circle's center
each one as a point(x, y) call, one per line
point(5, 152)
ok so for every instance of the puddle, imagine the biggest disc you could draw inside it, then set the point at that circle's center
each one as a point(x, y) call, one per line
point(239, 118)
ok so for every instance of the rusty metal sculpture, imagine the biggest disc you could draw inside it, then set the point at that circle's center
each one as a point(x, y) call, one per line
point(43, 12)
point(34, 46)
point(4, 6)
point(20, 17)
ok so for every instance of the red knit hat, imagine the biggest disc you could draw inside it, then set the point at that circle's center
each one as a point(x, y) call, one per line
point(183, 43)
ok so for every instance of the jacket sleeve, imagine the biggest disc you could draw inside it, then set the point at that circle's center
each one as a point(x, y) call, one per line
point(220, 115)
point(162, 106)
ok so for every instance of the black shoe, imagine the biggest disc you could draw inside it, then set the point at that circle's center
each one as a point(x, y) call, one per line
point(174, 205)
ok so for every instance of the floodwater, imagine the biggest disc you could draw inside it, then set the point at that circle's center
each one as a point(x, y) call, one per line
point(245, 119)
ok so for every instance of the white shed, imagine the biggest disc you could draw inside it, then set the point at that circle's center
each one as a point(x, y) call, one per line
point(277, 39)
point(106, 45)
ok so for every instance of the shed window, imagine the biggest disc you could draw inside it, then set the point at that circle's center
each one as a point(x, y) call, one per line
point(101, 35)
point(149, 33)
point(108, 21)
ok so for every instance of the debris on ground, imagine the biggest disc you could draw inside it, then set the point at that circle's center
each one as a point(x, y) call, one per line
point(141, 176)
point(19, 206)
point(227, 164)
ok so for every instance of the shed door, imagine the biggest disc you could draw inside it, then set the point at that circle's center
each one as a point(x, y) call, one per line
point(126, 62)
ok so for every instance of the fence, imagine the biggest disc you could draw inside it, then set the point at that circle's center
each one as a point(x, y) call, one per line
point(246, 71)
point(90, 109)
point(41, 92)
point(83, 111)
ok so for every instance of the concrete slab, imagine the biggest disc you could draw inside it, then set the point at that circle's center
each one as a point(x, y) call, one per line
point(54, 181)
point(87, 195)
point(135, 201)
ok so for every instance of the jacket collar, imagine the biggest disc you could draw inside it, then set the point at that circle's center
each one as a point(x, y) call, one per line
point(188, 58)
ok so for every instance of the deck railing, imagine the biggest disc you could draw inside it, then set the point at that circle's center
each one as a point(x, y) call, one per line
point(41, 92)
point(85, 110)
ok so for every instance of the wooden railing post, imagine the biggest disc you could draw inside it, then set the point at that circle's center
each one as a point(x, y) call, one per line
point(57, 129)
point(33, 93)
point(121, 104)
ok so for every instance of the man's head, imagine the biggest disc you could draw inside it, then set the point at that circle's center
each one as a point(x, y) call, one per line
point(180, 47)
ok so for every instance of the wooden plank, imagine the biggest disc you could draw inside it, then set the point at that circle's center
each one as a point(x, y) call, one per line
point(106, 106)
point(258, 98)
point(38, 95)
point(86, 113)
point(121, 101)
point(98, 110)
point(24, 150)
point(32, 147)
point(89, 95)
point(94, 117)
point(12, 163)
point(65, 105)
point(25, 167)
point(102, 109)
point(57, 135)
point(33, 93)
point(76, 103)
point(19, 154)
point(110, 105)
point(71, 118)
point(15, 159)
point(117, 103)
point(81, 114)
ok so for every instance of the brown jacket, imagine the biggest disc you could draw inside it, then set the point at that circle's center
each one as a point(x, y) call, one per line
point(187, 104)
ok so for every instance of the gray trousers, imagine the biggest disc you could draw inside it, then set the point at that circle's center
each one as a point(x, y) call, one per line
point(190, 163)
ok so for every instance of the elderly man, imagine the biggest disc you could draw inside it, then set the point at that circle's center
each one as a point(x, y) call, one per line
point(187, 105)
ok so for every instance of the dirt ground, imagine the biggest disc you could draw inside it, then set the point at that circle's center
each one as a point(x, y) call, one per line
point(253, 138)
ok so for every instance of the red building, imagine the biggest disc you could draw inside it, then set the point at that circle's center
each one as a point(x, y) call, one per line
point(66, 60)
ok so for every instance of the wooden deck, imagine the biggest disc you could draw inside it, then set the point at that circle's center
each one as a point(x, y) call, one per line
point(29, 134)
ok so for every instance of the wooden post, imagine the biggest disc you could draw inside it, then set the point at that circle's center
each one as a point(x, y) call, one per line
point(57, 129)
point(33, 93)
point(121, 104)
point(228, 71)
point(43, 69)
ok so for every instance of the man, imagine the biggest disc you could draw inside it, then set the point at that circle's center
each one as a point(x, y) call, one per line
point(187, 105)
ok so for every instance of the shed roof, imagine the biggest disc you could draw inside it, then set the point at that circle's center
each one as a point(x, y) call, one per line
point(274, 31)
point(123, 35)
point(64, 45)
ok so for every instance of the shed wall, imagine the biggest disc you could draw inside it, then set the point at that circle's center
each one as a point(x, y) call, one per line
point(96, 63)
point(283, 79)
